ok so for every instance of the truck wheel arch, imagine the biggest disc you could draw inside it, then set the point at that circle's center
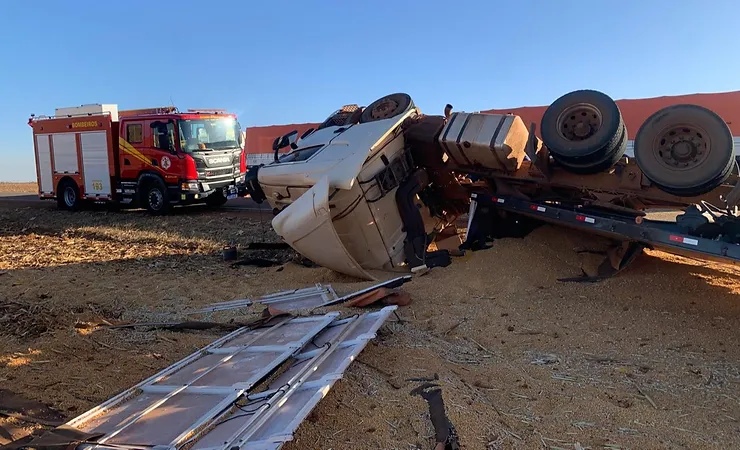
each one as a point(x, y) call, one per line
point(68, 194)
point(155, 202)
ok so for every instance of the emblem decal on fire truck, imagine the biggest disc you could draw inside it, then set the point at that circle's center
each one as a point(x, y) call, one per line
point(166, 163)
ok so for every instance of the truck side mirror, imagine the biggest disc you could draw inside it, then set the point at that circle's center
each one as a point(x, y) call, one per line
point(287, 140)
point(292, 139)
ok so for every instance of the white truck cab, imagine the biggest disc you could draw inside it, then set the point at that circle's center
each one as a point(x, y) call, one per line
point(334, 197)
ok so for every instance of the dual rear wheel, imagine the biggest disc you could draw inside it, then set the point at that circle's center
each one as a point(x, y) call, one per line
point(685, 150)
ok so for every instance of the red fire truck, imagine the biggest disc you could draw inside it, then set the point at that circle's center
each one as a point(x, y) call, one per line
point(152, 158)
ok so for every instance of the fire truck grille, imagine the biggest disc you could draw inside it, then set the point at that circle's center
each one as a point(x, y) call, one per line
point(219, 172)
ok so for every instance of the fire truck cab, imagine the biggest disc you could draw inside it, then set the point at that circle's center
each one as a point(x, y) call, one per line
point(151, 158)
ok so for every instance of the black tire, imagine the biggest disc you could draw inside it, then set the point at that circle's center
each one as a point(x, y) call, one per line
point(584, 130)
point(386, 107)
point(685, 150)
point(216, 199)
point(606, 163)
point(153, 194)
point(68, 195)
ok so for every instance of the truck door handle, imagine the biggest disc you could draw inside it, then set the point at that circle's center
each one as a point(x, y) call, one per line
point(154, 162)
point(126, 162)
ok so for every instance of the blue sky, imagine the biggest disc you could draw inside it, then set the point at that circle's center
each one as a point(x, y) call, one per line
point(277, 62)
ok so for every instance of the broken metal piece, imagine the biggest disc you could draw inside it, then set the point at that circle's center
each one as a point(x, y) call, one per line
point(223, 306)
point(445, 435)
point(616, 259)
point(61, 438)
point(384, 295)
point(290, 300)
point(207, 400)
point(299, 299)
point(390, 284)
point(278, 412)
point(171, 407)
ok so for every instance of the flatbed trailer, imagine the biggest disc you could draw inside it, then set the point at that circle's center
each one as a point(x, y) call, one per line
point(630, 233)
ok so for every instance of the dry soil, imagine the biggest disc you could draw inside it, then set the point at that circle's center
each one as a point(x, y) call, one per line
point(648, 359)
point(18, 188)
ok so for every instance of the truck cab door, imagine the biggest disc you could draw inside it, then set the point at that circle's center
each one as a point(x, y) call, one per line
point(162, 151)
point(131, 162)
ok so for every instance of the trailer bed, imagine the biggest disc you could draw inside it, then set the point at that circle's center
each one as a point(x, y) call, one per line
point(653, 234)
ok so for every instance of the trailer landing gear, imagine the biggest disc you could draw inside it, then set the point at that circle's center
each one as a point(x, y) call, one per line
point(616, 258)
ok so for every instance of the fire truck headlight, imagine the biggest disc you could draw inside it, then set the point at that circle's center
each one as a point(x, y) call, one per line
point(190, 186)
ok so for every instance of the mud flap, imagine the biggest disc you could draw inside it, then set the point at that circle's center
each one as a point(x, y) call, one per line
point(306, 226)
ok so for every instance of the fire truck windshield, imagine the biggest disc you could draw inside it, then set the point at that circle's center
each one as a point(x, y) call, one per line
point(208, 134)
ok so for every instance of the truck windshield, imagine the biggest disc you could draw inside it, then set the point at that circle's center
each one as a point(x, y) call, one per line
point(208, 134)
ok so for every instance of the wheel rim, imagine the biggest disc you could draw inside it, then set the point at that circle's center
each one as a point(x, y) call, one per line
point(156, 199)
point(579, 122)
point(682, 147)
point(384, 109)
point(70, 196)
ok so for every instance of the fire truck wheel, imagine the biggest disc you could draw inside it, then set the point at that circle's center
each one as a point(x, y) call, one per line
point(583, 128)
point(68, 196)
point(685, 150)
point(154, 194)
point(386, 107)
point(216, 199)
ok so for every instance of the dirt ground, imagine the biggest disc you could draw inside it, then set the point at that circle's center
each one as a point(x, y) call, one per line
point(649, 359)
point(19, 188)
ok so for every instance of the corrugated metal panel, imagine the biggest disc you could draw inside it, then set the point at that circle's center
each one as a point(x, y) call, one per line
point(177, 404)
point(274, 415)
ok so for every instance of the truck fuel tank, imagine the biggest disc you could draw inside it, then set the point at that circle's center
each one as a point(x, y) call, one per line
point(490, 141)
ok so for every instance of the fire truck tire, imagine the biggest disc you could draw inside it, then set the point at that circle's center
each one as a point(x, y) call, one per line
point(216, 199)
point(386, 107)
point(68, 195)
point(685, 150)
point(584, 129)
point(154, 196)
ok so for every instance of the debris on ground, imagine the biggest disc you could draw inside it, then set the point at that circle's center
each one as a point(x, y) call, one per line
point(216, 397)
point(389, 284)
point(667, 325)
point(445, 436)
point(20, 417)
point(381, 295)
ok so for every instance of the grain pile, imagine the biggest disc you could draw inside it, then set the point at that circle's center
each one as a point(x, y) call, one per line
point(649, 359)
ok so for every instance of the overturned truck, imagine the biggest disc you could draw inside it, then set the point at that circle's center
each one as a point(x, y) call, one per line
point(381, 188)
